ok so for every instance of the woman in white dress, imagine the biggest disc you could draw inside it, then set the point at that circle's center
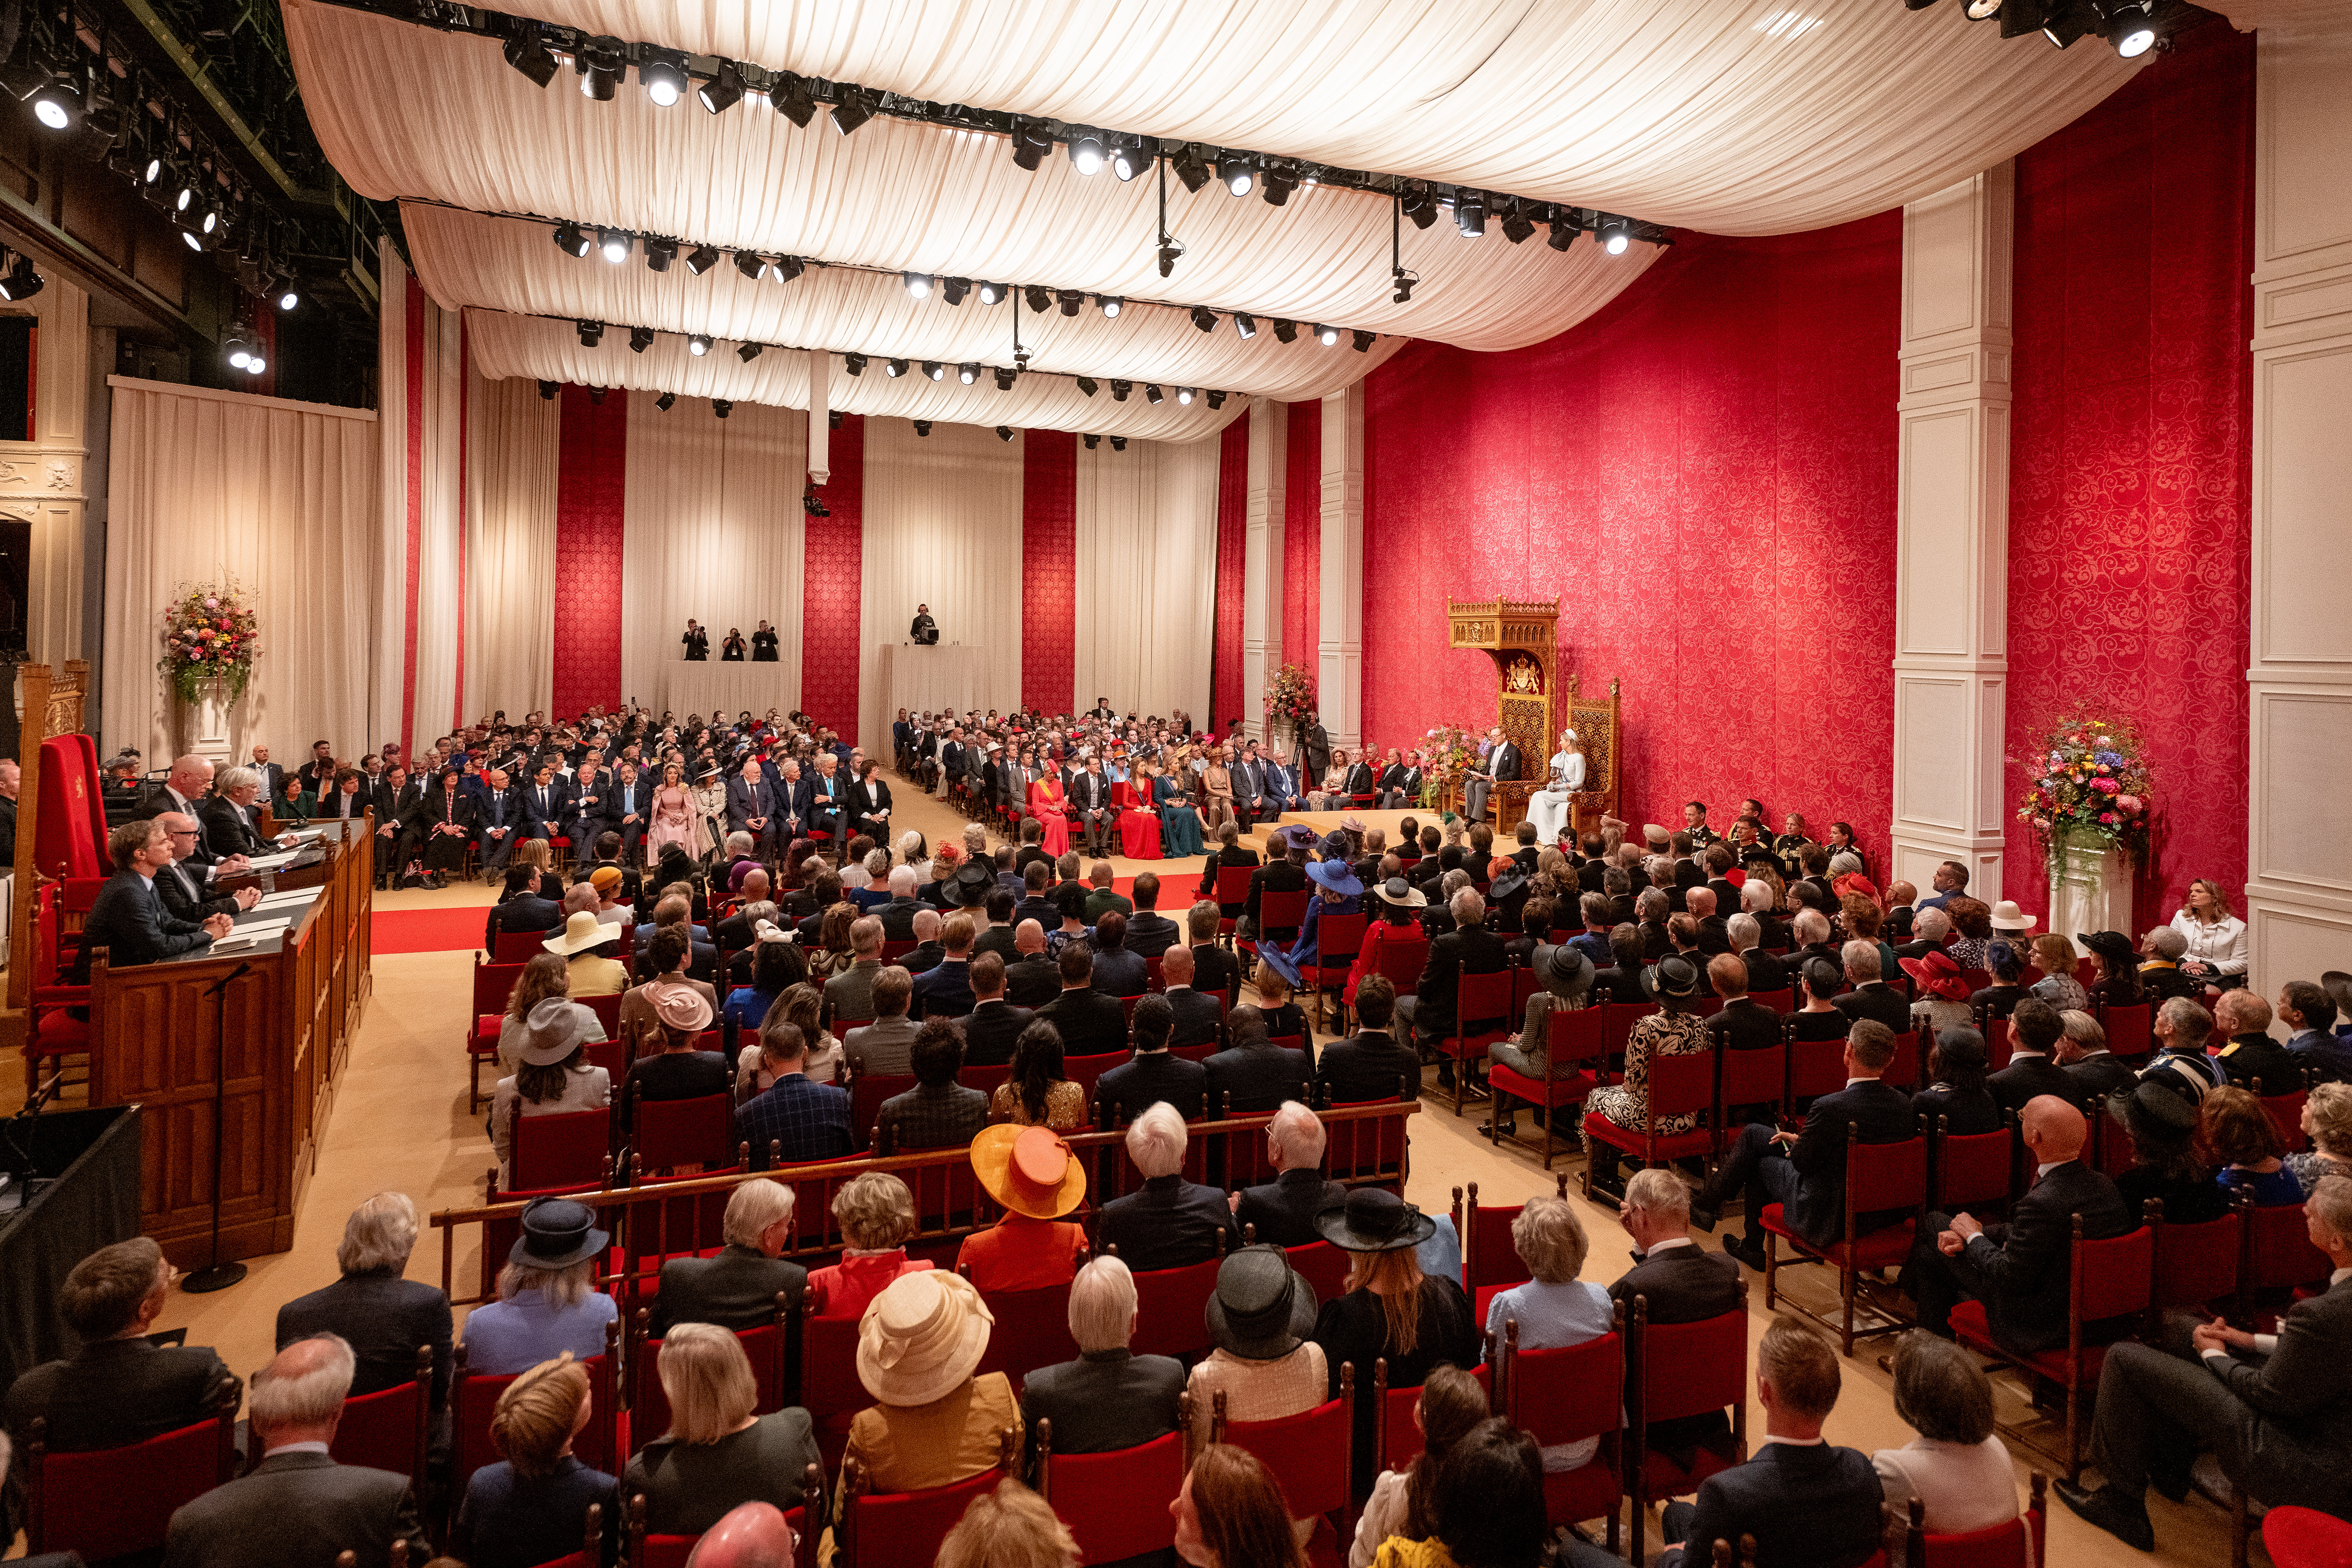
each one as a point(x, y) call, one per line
point(1548, 808)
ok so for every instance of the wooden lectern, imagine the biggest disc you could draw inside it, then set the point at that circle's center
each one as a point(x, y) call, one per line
point(1535, 702)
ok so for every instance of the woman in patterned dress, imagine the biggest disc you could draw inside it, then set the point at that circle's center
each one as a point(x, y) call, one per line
point(1674, 1030)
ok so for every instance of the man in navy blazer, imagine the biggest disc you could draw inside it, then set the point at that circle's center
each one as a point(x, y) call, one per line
point(1198, 1014)
point(1255, 1075)
point(546, 801)
point(945, 990)
point(1152, 1075)
point(1803, 1499)
point(1810, 1184)
point(1283, 1210)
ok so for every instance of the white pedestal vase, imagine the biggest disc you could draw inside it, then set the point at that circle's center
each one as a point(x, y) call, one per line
point(2090, 888)
point(204, 723)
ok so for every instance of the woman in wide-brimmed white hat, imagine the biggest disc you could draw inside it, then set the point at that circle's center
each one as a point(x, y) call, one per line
point(932, 1422)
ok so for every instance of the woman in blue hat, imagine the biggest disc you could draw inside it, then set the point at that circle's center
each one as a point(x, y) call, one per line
point(1337, 893)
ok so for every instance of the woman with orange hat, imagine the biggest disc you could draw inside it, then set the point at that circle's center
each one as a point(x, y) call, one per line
point(1031, 1172)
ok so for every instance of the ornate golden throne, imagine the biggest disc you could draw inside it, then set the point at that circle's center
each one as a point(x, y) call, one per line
point(1534, 702)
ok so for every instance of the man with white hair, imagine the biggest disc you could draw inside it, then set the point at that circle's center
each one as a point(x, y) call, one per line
point(1169, 1223)
point(1428, 1013)
point(897, 916)
point(1811, 930)
point(381, 1314)
point(2161, 976)
point(1109, 1398)
point(1766, 974)
point(184, 790)
point(1929, 927)
point(749, 1282)
point(1870, 997)
point(297, 1508)
point(1283, 1210)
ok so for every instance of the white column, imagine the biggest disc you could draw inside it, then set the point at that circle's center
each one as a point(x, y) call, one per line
point(1951, 664)
point(42, 479)
point(1339, 646)
point(820, 416)
point(2299, 682)
point(1269, 432)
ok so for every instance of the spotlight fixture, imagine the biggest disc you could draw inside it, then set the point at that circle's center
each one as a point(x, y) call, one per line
point(1204, 318)
point(1129, 156)
point(1184, 396)
point(600, 63)
point(1086, 153)
point(1216, 400)
point(922, 427)
point(1364, 339)
point(570, 238)
point(722, 407)
point(547, 391)
point(853, 364)
point(953, 290)
point(832, 421)
point(1244, 325)
point(747, 352)
point(1614, 233)
point(723, 91)
point(257, 362)
point(1040, 298)
point(237, 350)
point(1277, 182)
point(666, 401)
point(1093, 440)
point(288, 296)
point(1418, 205)
point(701, 259)
point(1190, 166)
point(752, 265)
point(1237, 172)
point(1470, 213)
point(2061, 24)
point(1517, 225)
point(1981, 10)
point(1004, 432)
point(57, 102)
point(784, 268)
point(612, 245)
point(919, 285)
point(968, 373)
point(895, 369)
point(934, 369)
point(1119, 389)
point(856, 107)
point(1404, 282)
point(659, 254)
point(1111, 305)
point(1005, 376)
point(1565, 227)
point(640, 339)
point(1170, 251)
point(1153, 395)
point(1325, 335)
point(529, 52)
point(1072, 300)
point(590, 333)
point(790, 96)
point(1089, 385)
point(990, 293)
point(2130, 28)
point(814, 504)
point(662, 73)
point(1288, 331)
point(596, 395)
point(1030, 142)
point(698, 344)
point(1118, 443)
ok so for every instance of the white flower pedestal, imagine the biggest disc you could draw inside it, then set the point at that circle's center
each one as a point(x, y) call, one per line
point(2090, 888)
point(204, 723)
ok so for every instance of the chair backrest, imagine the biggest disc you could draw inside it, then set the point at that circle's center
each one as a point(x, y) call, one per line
point(1403, 960)
point(1169, 1308)
point(1033, 1330)
point(764, 1346)
point(1882, 1176)
point(2112, 1278)
point(1617, 1021)
point(1756, 1077)
point(1686, 1369)
point(473, 1397)
point(1115, 1503)
point(493, 984)
point(1086, 1071)
point(1311, 1454)
point(829, 1388)
point(387, 1430)
point(1232, 884)
point(894, 1529)
point(1323, 1266)
point(518, 946)
point(1973, 1168)
point(607, 1009)
point(1783, 1001)
point(2279, 1251)
point(108, 1502)
point(987, 1080)
point(1581, 1036)
point(2286, 1114)
point(562, 1149)
point(1488, 1255)
point(1569, 1394)
point(1903, 1071)
point(1680, 1082)
point(1362, 1151)
point(1815, 1066)
point(1280, 910)
point(1397, 1433)
point(698, 1131)
point(591, 1553)
point(2015, 1543)
point(867, 1090)
point(1483, 1002)
point(643, 1551)
point(1338, 940)
point(2131, 1031)
point(1523, 985)
point(2198, 1263)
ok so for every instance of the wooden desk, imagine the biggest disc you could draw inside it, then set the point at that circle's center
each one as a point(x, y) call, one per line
point(290, 1019)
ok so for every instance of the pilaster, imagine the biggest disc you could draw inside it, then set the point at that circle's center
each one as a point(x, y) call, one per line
point(1269, 432)
point(1339, 646)
point(42, 480)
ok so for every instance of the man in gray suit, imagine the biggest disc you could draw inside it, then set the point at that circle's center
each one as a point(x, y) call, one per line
point(297, 1508)
point(1109, 1398)
point(883, 1045)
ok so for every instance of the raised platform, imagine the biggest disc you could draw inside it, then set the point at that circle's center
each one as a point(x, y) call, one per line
point(1323, 822)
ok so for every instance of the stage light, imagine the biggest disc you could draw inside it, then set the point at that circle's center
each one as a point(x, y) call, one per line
point(1244, 325)
point(1236, 174)
point(722, 407)
point(919, 285)
point(1286, 331)
point(596, 395)
point(255, 364)
point(968, 373)
point(855, 109)
point(1093, 440)
point(1204, 318)
point(1111, 305)
point(1030, 142)
point(56, 104)
point(922, 427)
point(1419, 206)
point(1072, 300)
point(1040, 298)
point(701, 259)
point(698, 344)
point(785, 268)
point(288, 296)
point(188, 238)
point(990, 293)
point(590, 333)
point(612, 245)
point(237, 352)
point(811, 503)
point(1190, 166)
point(1118, 443)
point(1089, 385)
point(640, 339)
point(1153, 395)
point(185, 196)
point(1404, 282)
point(1470, 213)
point(2130, 29)
point(547, 391)
point(570, 238)
point(1086, 151)
point(934, 369)
point(2063, 24)
point(752, 265)
point(832, 421)
point(1565, 227)
point(153, 172)
point(1364, 339)
point(1119, 389)
point(1517, 225)
point(1184, 396)
point(1216, 400)
point(666, 401)
point(1129, 156)
point(748, 351)
point(853, 364)
point(1005, 376)
point(1327, 336)
point(953, 290)
point(529, 54)
point(790, 96)
point(1614, 234)
point(723, 91)
point(601, 63)
point(1169, 254)
point(662, 73)
point(1278, 182)
point(659, 254)
point(895, 368)
point(1004, 432)
point(1981, 10)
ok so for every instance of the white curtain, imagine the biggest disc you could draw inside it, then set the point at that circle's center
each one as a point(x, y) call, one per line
point(1147, 576)
point(943, 528)
point(715, 531)
point(512, 450)
point(281, 496)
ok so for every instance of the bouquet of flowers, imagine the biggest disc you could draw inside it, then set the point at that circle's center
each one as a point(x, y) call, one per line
point(2090, 777)
point(210, 631)
point(1446, 754)
point(1291, 695)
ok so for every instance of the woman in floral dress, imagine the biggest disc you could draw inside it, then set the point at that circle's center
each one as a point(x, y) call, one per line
point(1674, 1030)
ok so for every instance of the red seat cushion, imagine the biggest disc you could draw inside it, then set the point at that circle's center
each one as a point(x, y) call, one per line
point(1874, 1250)
point(485, 1042)
point(61, 1032)
point(1545, 1092)
point(1972, 1329)
point(1669, 1146)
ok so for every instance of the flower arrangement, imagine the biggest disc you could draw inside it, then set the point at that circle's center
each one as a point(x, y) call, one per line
point(2090, 777)
point(210, 633)
point(1291, 695)
point(1447, 752)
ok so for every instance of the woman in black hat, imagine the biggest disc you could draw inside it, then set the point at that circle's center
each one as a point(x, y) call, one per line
point(548, 1302)
point(1263, 1362)
point(2118, 962)
point(1393, 1312)
point(1674, 1030)
point(2162, 1121)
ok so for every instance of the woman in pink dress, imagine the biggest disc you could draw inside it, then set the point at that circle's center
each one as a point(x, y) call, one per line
point(673, 818)
point(1046, 803)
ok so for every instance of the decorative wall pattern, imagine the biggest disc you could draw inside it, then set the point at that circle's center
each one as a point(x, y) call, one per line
point(832, 587)
point(1232, 567)
point(1302, 537)
point(1049, 583)
point(590, 495)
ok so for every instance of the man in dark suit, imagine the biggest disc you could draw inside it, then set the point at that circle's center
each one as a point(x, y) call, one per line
point(1090, 798)
point(1199, 1014)
point(1283, 1210)
point(182, 895)
point(1681, 1283)
point(273, 778)
point(1091, 1024)
point(1810, 1184)
point(1108, 1399)
point(297, 1507)
point(1253, 1075)
point(993, 1025)
point(735, 1289)
point(226, 816)
point(1250, 804)
point(1870, 997)
point(2252, 1055)
point(2096, 1072)
point(384, 1316)
point(824, 796)
point(943, 990)
point(1118, 972)
point(1428, 1013)
point(1032, 979)
point(1502, 765)
point(504, 820)
point(2020, 1271)
point(1766, 974)
point(1741, 1024)
point(897, 916)
point(593, 810)
point(127, 917)
point(547, 802)
point(1149, 931)
point(1213, 968)
point(2036, 1028)
point(633, 809)
point(1152, 1075)
point(750, 801)
point(1228, 852)
point(1169, 1222)
point(1802, 1499)
point(1286, 874)
point(1314, 753)
point(2276, 1410)
point(1370, 1064)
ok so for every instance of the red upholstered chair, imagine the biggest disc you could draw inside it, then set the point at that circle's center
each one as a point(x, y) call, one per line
point(1116, 1504)
point(1232, 892)
point(1397, 1434)
point(2017, 1544)
point(1757, 1077)
point(1279, 915)
point(830, 1391)
point(109, 1502)
point(1338, 940)
point(2196, 1264)
point(1972, 1172)
point(1566, 1395)
point(1482, 1016)
point(1617, 1021)
point(518, 946)
point(493, 985)
point(2306, 1538)
point(2131, 1031)
point(1170, 1305)
point(671, 1132)
point(1783, 1001)
point(1085, 1071)
point(867, 1093)
point(1490, 1262)
point(2108, 1281)
point(1033, 1330)
point(765, 1347)
point(1679, 1085)
point(806, 1523)
point(1903, 1071)
point(1576, 1048)
point(71, 840)
point(1323, 1266)
point(473, 1397)
point(1815, 1066)
point(560, 1151)
point(1676, 1369)
point(1403, 960)
point(2279, 1257)
point(2284, 1103)
point(592, 1545)
point(51, 1033)
point(892, 1530)
point(1310, 1455)
point(1878, 1176)
point(387, 1430)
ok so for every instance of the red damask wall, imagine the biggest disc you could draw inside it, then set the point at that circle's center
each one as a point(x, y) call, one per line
point(2129, 512)
point(1049, 570)
point(1703, 474)
point(831, 577)
point(1232, 567)
point(589, 487)
point(1302, 537)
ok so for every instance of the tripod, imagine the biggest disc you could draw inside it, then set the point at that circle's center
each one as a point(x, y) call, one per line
point(217, 1275)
